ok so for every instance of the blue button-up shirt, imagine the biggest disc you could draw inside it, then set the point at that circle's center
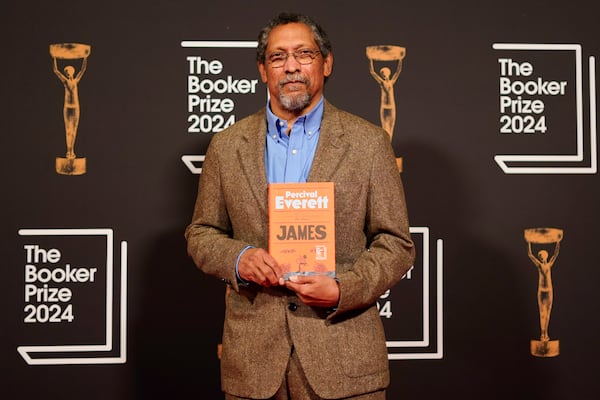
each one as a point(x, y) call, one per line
point(289, 158)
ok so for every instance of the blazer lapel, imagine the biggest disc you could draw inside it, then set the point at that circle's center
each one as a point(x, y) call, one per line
point(330, 152)
point(253, 167)
point(331, 148)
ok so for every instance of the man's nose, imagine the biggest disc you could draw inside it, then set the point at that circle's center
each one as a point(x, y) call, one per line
point(291, 64)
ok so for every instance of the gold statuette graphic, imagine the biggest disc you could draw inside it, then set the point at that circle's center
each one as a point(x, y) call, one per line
point(544, 237)
point(70, 53)
point(386, 80)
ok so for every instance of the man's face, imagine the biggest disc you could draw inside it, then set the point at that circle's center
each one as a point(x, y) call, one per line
point(294, 88)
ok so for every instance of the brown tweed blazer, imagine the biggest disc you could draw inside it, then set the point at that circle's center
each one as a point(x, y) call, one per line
point(343, 352)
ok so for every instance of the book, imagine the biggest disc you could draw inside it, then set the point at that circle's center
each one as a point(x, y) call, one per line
point(302, 227)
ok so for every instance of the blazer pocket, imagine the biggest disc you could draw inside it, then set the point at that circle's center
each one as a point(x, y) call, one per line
point(362, 345)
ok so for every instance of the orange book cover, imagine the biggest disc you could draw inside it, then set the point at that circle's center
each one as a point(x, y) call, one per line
point(302, 227)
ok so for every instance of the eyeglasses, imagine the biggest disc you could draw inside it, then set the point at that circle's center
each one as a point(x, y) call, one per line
point(303, 56)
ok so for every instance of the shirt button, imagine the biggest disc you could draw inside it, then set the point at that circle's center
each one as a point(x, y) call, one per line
point(292, 306)
point(294, 151)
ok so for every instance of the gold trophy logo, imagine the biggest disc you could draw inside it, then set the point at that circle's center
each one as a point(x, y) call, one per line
point(69, 54)
point(544, 238)
point(386, 80)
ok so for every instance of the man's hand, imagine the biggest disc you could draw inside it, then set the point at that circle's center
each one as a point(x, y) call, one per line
point(256, 265)
point(314, 290)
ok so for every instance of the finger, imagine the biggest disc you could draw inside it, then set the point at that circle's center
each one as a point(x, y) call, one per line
point(293, 283)
point(303, 279)
point(258, 266)
point(266, 276)
point(269, 261)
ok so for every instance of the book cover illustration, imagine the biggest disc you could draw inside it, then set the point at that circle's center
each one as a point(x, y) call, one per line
point(302, 227)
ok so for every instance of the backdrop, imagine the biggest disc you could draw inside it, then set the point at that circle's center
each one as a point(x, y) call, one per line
point(107, 110)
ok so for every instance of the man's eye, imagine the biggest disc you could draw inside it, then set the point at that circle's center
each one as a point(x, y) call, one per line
point(304, 53)
point(276, 56)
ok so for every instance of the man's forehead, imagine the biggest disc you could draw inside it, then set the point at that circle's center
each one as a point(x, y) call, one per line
point(290, 35)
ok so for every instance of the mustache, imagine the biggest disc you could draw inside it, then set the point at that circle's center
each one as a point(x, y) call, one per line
point(295, 77)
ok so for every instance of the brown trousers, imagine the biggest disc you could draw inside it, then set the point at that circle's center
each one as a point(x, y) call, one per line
point(296, 387)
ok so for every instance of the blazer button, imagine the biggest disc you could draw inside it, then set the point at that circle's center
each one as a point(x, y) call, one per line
point(292, 306)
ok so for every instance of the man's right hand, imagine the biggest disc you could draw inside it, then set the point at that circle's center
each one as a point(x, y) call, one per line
point(256, 265)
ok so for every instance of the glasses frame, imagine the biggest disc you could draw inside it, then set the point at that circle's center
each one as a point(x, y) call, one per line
point(299, 56)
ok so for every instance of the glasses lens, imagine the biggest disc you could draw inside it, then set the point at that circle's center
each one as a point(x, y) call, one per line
point(304, 57)
point(277, 59)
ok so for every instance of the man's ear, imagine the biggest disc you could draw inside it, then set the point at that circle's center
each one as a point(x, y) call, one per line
point(262, 71)
point(328, 65)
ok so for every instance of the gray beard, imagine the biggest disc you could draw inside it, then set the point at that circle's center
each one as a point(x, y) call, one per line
point(294, 103)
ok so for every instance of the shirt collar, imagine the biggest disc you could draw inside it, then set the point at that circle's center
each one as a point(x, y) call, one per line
point(311, 122)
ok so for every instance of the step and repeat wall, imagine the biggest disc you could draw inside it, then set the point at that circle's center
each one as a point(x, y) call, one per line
point(107, 111)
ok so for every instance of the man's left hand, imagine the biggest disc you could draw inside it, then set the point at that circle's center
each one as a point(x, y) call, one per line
point(314, 290)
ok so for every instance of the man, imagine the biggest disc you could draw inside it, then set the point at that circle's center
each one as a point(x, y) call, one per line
point(309, 337)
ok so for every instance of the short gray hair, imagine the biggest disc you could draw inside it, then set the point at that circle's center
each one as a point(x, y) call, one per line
point(319, 33)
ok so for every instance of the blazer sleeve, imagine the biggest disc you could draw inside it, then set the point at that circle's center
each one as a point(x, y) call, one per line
point(389, 252)
point(209, 237)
